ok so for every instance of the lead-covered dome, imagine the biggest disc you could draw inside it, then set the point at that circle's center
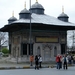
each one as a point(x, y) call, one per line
point(63, 15)
point(37, 8)
point(37, 5)
point(24, 11)
point(25, 14)
point(12, 19)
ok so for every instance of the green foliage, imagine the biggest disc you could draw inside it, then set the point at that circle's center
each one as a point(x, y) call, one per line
point(5, 51)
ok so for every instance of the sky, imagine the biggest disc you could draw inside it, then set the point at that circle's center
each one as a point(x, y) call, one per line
point(52, 8)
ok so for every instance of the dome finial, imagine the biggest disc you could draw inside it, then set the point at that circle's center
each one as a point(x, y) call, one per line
point(13, 13)
point(62, 9)
point(25, 5)
point(36, 0)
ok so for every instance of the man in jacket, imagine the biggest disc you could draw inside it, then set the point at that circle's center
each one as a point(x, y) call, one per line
point(65, 62)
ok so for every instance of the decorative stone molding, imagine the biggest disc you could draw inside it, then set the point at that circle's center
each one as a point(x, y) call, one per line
point(47, 46)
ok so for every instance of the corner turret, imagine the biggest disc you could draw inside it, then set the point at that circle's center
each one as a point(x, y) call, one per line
point(12, 19)
point(64, 17)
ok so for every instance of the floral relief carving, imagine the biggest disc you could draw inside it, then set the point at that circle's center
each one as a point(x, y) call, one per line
point(47, 46)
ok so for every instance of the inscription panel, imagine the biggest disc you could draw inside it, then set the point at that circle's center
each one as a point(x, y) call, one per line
point(51, 39)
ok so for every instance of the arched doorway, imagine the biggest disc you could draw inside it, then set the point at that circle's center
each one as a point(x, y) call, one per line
point(47, 52)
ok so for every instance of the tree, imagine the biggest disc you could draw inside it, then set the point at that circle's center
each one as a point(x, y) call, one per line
point(71, 38)
point(5, 50)
point(3, 39)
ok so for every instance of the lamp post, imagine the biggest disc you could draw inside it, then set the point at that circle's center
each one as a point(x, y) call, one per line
point(73, 40)
point(30, 36)
point(30, 31)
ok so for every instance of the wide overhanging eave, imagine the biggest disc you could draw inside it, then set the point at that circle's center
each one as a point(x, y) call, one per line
point(19, 26)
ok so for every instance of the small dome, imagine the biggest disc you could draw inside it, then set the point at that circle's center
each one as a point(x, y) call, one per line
point(12, 18)
point(24, 11)
point(25, 14)
point(37, 8)
point(37, 5)
point(63, 15)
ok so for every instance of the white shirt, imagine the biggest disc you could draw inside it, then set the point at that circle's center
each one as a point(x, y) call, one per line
point(40, 59)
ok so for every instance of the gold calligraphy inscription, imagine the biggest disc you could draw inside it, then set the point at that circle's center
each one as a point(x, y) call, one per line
point(47, 39)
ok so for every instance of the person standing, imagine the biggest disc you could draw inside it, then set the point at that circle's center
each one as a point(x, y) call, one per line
point(36, 62)
point(65, 62)
point(60, 56)
point(58, 61)
point(31, 60)
point(40, 61)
